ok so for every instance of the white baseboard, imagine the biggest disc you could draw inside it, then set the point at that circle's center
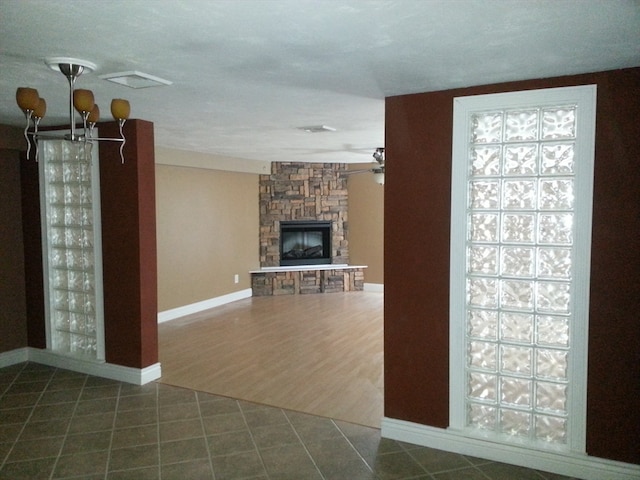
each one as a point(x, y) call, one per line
point(137, 376)
point(374, 287)
point(203, 305)
point(562, 463)
point(19, 355)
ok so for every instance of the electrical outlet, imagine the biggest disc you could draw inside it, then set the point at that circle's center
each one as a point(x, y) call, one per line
point(236, 278)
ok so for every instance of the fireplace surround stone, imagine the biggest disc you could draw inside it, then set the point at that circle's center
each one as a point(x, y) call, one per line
point(304, 192)
point(299, 192)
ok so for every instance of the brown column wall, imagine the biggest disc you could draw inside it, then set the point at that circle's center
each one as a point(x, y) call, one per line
point(416, 260)
point(32, 243)
point(13, 315)
point(127, 193)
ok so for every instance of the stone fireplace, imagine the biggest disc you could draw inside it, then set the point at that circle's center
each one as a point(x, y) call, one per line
point(298, 192)
point(300, 195)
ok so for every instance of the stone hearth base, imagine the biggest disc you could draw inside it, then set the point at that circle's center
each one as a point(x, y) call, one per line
point(307, 279)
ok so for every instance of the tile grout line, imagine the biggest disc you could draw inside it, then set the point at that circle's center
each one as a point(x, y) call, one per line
point(204, 432)
point(304, 445)
point(354, 448)
point(66, 433)
point(113, 429)
point(470, 465)
point(24, 422)
point(253, 442)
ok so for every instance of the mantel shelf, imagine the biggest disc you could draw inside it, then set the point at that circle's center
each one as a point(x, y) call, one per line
point(301, 268)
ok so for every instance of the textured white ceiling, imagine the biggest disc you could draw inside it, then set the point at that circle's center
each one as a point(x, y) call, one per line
point(247, 73)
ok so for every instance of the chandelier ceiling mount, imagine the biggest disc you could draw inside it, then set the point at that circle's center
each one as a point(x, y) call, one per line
point(82, 101)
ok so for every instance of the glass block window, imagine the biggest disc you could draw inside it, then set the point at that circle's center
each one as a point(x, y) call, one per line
point(520, 232)
point(516, 251)
point(73, 267)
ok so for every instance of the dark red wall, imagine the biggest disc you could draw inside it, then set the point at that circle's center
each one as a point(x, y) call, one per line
point(417, 213)
point(127, 193)
point(32, 239)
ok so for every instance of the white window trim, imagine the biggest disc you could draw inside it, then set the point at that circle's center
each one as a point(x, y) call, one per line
point(585, 98)
point(97, 254)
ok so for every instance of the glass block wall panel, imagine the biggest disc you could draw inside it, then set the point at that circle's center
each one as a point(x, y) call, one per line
point(519, 254)
point(74, 296)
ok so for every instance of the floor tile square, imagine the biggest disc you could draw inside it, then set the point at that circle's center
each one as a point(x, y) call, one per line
point(145, 473)
point(17, 400)
point(397, 465)
point(269, 436)
point(230, 422)
point(218, 406)
point(130, 437)
point(50, 397)
point(241, 465)
point(183, 450)
point(181, 411)
point(81, 465)
point(47, 428)
point(134, 457)
point(196, 469)
point(133, 418)
point(99, 405)
point(92, 423)
point(435, 461)
point(38, 448)
point(181, 429)
point(138, 402)
point(264, 416)
point(28, 470)
point(289, 462)
point(230, 443)
point(103, 391)
point(86, 442)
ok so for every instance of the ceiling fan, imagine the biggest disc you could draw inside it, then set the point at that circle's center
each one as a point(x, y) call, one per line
point(377, 170)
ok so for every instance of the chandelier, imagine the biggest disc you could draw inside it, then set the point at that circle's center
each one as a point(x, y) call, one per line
point(80, 100)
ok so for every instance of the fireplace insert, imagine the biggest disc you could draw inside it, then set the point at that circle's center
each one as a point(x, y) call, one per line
point(305, 243)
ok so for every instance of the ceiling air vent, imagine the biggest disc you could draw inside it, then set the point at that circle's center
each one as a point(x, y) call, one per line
point(135, 79)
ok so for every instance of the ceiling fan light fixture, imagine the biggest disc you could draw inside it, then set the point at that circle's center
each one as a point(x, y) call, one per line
point(317, 129)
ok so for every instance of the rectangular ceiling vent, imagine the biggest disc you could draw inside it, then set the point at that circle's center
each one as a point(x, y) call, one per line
point(317, 129)
point(135, 79)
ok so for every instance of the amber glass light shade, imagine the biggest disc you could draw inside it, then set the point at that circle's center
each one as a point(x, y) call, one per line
point(94, 116)
point(41, 109)
point(120, 109)
point(27, 98)
point(83, 100)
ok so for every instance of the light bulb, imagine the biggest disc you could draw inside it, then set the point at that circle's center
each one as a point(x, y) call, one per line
point(94, 116)
point(27, 98)
point(41, 109)
point(120, 108)
point(83, 100)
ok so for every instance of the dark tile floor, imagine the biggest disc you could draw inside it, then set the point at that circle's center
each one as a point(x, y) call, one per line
point(57, 424)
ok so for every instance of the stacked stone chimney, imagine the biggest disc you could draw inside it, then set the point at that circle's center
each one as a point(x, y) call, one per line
point(303, 191)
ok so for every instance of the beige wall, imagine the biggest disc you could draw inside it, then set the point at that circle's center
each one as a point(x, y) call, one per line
point(207, 223)
point(366, 222)
point(208, 226)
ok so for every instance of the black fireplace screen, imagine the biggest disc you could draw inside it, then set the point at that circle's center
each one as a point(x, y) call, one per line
point(305, 243)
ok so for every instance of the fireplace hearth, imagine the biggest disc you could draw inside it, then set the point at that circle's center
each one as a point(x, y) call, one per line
point(305, 243)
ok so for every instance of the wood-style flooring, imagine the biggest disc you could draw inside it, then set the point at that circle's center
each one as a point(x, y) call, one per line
point(319, 353)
